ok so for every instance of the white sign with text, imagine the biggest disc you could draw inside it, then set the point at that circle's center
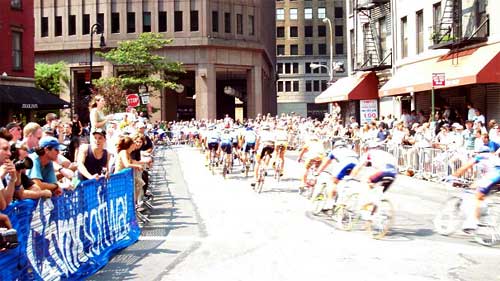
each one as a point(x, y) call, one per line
point(368, 110)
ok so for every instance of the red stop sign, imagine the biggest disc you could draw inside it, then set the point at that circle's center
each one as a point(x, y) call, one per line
point(133, 100)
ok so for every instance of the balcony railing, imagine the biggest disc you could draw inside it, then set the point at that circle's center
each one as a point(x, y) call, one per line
point(370, 4)
point(444, 37)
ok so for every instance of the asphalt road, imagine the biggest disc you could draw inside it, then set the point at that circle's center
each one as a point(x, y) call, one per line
point(208, 228)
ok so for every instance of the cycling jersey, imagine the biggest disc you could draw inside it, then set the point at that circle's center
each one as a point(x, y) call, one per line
point(250, 136)
point(226, 138)
point(213, 137)
point(489, 165)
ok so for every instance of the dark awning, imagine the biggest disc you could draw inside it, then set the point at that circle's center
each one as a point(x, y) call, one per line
point(29, 98)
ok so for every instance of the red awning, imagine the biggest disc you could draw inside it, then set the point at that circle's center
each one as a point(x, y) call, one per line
point(362, 86)
point(479, 65)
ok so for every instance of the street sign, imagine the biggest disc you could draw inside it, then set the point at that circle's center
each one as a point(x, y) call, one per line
point(145, 98)
point(438, 79)
point(133, 100)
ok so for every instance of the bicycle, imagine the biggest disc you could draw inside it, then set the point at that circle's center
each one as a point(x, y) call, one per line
point(278, 169)
point(349, 209)
point(213, 161)
point(262, 172)
point(250, 162)
point(311, 180)
point(456, 209)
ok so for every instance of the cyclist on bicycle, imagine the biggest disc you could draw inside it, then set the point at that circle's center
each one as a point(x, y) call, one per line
point(226, 144)
point(314, 151)
point(212, 140)
point(490, 164)
point(249, 137)
point(346, 159)
point(281, 144)
point(264, 145)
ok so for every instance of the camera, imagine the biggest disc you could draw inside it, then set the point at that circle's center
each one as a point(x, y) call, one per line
point(25, 163)
point(8, 238)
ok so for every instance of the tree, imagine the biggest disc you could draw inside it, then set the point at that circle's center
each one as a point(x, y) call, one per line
point(139, 65)
point(51, 77)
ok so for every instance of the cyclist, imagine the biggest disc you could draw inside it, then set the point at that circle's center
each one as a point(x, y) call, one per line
point(346, 159)
point(248, 140)
point(383, 169)
point(264, 145)
point(281, 144)
point(212, 140)
point(226, 144)
point(490, 164)
point(315, 151)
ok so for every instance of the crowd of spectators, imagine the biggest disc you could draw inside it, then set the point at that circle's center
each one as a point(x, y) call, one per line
point(41, 160)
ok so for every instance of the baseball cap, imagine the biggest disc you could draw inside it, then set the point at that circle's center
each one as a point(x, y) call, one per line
point(50, 142)
point(99, 131)
point(12, 125)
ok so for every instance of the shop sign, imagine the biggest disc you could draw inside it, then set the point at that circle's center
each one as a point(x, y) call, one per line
point(29, 106)
point(368, 110)
point(438, 80)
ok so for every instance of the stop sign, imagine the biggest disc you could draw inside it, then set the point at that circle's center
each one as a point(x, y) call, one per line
point(133, 100)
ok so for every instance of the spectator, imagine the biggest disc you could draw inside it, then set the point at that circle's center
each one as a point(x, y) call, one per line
point(27, 188)
point(93, 158)
point(43, 173)
point(97, 117)
point(76, 126)
point(471, 112)
point(8, 176)
point(15, 130)
point(479, 117)
point(382, 133)
point(52, 125)
point(469, 135)
point(32, 133)
point(123, 160)
point(492, 146)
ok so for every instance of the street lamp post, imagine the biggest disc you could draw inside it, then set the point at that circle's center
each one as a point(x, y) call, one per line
point(327, 20)
point(95, 29)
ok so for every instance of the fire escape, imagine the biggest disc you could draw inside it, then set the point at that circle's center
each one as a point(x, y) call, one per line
point(448, 34)
point(373, 57)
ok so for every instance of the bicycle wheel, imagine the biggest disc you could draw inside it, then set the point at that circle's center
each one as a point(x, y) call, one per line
point(488, 232)
point(224, 171)
point(260, 182)
point(381, 220)
point(450, 217)
point(343, 213)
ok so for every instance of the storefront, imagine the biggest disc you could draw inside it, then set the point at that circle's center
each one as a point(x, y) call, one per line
point(471, 76)
point(357, 96)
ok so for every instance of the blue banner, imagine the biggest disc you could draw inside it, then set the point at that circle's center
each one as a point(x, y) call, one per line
point(72, 236)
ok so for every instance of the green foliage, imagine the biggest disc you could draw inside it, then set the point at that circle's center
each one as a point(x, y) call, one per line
point(142, 65)
point(51, 77)
point(113, 92)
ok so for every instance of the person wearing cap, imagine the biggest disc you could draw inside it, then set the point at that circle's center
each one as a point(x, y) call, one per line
point(263, 145)
point(93, 159)
point(15, 130)
point(43, 172)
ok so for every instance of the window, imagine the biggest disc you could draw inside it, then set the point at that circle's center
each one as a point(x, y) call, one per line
point(280, 50)
point(58, 26)
point(293, 14)
point(316, 70)
point(85, 24)
point(100, 20)
point(436, 15)
point(316, 85)
point(294, 31)
point(131, 22)
point(308, 13)
point(308, 86)
point(287, 68)
point(280, 68)
point(382, 33)
point(322, 69)
point(239, 23)
point(162, 21)
point(17, 50)
point(420, 31)
point(324, 85)
point(351, 50)
point(321, 30)
point(194, 21)
point(308, 67)
point(339, 12)
point(115, 23)
point(295, 86)
point(71, 25)
point(146, 22)
point(227, 22)
point(215, 21)
point(280, 86)
point(321, 49)
point(280, 32)
point(321, 13)
point(251, 25)
point(339, 48)
point(177, 21)
point(339, 30)
point(294, 50)
point(280, 14)
point(404, 37)
point(16, 4)
point(308, 49)
point(288, 86)
point(295, 67)
point(308, 31)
